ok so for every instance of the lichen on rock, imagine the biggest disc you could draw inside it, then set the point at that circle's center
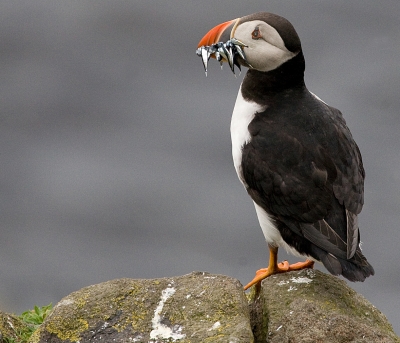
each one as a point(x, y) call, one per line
point(300, 306)
point(198, 307)
point(310, 306)
point(11, 327)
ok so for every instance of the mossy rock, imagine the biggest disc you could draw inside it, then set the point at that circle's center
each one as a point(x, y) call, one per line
point(310, 306)
point(12, 328)
point(303, 306)
point(198, 307)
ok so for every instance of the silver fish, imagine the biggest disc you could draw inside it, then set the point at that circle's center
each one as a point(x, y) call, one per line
point(205, 56)
point(230, 59)
point(237, 42)
point(228, 51)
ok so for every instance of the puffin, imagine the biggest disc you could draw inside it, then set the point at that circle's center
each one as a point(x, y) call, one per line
point(293, 153)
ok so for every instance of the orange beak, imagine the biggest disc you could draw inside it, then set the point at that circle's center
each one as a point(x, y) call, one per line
point(220, 44)
point(214, 35)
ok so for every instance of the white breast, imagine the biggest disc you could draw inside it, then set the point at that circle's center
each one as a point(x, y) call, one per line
point(243, 113)
point(271, 233)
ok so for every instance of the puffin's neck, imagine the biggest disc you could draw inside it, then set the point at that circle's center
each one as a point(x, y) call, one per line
point(262, 87)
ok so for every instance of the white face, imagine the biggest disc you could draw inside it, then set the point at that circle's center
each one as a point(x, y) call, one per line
point(266, 50)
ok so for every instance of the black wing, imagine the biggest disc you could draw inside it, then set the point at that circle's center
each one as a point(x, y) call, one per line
point(304, 168)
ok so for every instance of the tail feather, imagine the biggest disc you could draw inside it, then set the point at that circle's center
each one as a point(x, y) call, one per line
point(355, 269)
point(336, 262)
point(331, 263)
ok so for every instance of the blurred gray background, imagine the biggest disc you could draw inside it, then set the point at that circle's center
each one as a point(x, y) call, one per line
point(115, 147)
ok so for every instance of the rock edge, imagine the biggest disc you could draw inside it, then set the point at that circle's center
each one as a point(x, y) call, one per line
point(302, 306)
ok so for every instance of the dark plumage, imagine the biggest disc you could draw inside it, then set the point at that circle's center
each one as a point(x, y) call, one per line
point(309, 179)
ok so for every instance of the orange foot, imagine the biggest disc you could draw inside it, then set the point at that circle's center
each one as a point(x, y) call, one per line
point(275, 268)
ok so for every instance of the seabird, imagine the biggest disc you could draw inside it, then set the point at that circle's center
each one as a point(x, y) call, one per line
point(292, 152)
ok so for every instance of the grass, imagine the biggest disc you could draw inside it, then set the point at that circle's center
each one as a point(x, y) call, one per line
point(33, 319)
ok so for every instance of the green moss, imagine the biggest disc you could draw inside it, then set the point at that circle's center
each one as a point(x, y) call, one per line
point(13, 329)
point(20, 329)
point(200, 300)
point(325, 297)
point(336, 296)
point(66, 328)
point(35, 337)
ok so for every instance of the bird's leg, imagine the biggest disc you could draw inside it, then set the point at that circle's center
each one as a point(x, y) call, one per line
point(270, 270)
point(274, 267)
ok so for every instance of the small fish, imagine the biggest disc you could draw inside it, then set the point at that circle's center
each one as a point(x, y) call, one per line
point(205, 56)
point(230, 59)
point(237, 42)
point(228, 51)
point(222, 51)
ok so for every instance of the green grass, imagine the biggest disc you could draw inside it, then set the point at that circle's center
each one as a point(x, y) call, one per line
point(36, 316)
point(33, 319)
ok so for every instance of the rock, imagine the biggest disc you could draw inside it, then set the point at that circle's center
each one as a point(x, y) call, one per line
point(302, 306)
point(198, 307)
point(11, 328)
point(310, 306)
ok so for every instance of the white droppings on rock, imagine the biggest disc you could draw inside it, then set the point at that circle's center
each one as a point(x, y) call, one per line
point(9, 323)
point(300, 280)
point(104, 326)
point(292, 288)
point(215, 326)
point(160, 330)
point(138, 338)
point(280, 327)
point(188, 296)
point(282, 283)
point(310, 273)
point(65, 302)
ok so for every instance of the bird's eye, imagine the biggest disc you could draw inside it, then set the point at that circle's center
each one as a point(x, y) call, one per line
point(256, 34)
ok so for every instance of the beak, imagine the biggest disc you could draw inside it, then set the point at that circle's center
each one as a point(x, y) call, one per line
point(215, 34)
point(218, 43)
